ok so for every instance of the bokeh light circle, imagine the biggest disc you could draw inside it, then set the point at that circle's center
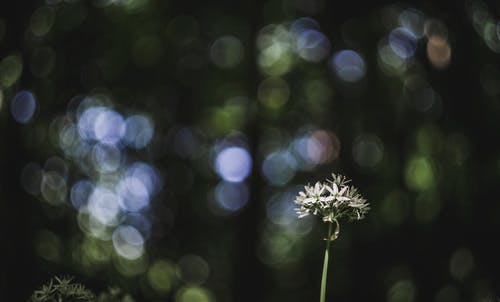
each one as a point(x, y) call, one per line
point(139, 131)
point(128, 242)
point(106, 158)
point(193, 269)
point(80, 192)
point(348, 65)
point(134, 193)
point(103, 205)
point(279, 167)
point(194, 294)
point(403, 42)
point(233, 164)
point(109, 126)
point(23, 106)
point(226, 52)
point(31, 178)
point(148, 175)
point(368, 150)
point(438, 51)
point(312, 45)
point(231, 196)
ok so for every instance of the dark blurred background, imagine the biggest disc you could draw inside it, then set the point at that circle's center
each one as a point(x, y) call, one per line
point(158, 146)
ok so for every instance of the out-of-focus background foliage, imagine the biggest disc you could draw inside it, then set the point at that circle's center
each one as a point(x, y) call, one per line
point(158, 146)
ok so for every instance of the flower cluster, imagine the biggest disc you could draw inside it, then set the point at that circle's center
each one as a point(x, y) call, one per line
point(332, 200)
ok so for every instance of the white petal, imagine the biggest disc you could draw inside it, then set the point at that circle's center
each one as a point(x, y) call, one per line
point(335, 189)
point(327, 198)
point(309, 200)
point(342, 198)
point(318, 188)
point(309, 190)
point(342, 191)
point(329, 189)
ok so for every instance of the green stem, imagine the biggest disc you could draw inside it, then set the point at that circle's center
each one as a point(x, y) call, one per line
point(325, 265)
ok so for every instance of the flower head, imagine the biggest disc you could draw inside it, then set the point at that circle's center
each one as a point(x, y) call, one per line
point(332, 200)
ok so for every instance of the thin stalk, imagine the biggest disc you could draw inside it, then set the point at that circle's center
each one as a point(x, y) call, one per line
point(325, 265)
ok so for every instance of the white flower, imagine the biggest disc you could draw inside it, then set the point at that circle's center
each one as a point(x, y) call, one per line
point(332, 200)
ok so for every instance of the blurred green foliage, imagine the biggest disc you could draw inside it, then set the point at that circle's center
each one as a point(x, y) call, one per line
point(158, 146)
